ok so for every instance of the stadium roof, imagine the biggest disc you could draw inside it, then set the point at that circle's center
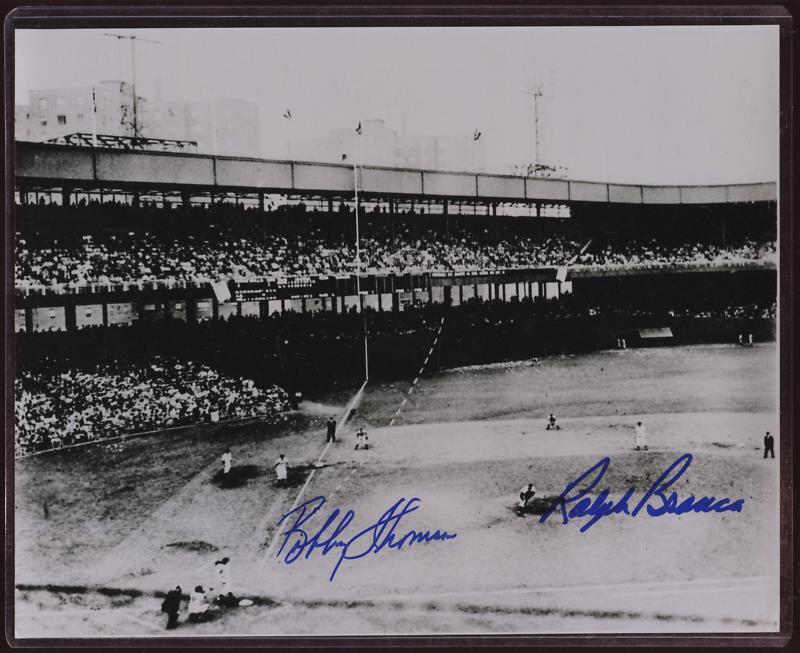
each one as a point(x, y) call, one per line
point(50, 165)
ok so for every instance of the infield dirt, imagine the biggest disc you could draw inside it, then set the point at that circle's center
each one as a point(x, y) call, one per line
point(143, 514)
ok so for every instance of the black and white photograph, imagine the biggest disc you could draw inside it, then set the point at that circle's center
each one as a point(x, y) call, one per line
point(395, 331)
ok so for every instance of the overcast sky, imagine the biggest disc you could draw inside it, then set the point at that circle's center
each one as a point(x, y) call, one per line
point(656, 105)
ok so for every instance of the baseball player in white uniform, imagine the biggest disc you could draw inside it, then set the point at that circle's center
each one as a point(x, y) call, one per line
point(226, 461)
point(641, 436)
point(282, 469)
point(361, 439)
point(198, 605)
point(222, 569)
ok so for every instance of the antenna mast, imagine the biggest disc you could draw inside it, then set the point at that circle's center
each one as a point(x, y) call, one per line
point(536, 92)
point(133, 38)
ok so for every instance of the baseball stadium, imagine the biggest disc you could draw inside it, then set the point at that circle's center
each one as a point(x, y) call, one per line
point(483, 333)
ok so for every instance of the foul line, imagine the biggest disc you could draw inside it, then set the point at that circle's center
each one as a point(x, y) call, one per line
point(299, 496)
point(419, 374)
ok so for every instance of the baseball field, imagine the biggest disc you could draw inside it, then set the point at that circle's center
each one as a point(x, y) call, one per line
point(103, 531)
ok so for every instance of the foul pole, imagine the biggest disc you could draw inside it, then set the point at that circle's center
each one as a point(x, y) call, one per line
point(358, 258)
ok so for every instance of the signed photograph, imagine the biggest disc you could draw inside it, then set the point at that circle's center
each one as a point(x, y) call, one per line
point(395, 331)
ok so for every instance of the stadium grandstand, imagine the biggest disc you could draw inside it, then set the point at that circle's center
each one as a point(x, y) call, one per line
point(243, 282)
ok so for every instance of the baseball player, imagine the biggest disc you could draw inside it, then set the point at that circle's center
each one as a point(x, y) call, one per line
point(331, 430)
point(552, 423)
point(172, 606)
point(769, 445)
point(226, 461)
point(526, 495)
point(222, 570)
point(361, 438)
point(282, 469)
point(198, 605)
point(641, 436)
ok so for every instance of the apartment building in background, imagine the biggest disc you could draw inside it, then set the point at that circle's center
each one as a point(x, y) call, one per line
point(224, 126)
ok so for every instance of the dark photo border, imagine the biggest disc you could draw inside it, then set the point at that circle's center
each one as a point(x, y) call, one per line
point(139, 15)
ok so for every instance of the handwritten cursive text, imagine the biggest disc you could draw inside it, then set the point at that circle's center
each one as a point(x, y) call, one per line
point(302, 541)
point(655, 499)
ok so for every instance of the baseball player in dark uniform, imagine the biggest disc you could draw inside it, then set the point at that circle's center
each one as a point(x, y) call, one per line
point(769, 445)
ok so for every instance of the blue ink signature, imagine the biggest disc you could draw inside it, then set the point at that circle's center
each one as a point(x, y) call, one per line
point(372, 539)
point(601, 506)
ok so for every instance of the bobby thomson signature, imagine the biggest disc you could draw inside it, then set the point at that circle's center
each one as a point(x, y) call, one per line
point(331, 536)
point(657, 500)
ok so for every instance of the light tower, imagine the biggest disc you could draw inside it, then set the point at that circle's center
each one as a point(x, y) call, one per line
point(133, 38)
point(536, 93)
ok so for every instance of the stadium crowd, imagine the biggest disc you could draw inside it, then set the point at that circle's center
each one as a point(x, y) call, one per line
point(58, 407)
point(140, 258)
point(640, 253)
point(67, 248)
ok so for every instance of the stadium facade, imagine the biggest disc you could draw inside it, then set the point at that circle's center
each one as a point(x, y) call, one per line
point(65, 173)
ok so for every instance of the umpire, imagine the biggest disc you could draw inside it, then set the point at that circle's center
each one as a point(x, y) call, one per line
point(172, 605)
point(769, 445)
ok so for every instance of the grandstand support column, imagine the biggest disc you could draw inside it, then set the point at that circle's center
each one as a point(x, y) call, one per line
point(105, 313)
point(135, 199)
point(66, 194)
point(70, 319)
point(261, 201)
point(191, 311)
point(28, 319)
point(186, 198)
point(214, 308)
point(395, 301)
point(722, 226)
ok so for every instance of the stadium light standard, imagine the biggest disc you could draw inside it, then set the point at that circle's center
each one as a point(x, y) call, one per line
point(133, 38)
